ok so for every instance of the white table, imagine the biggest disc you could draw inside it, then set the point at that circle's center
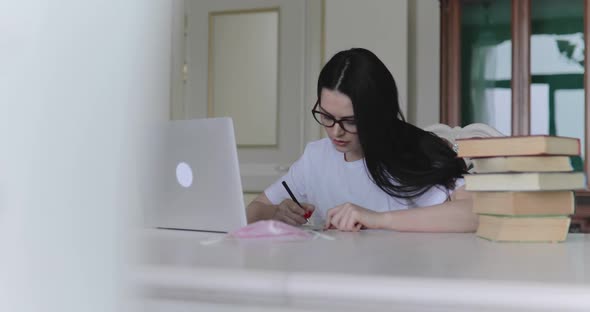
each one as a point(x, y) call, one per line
point(367, 271)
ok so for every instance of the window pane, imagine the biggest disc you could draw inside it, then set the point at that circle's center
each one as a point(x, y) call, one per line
point(557, 68)
point(486, 64)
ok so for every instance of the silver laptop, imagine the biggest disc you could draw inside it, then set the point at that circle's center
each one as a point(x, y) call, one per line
point(198, 181)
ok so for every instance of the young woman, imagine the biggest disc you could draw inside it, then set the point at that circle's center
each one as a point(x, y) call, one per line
point(374, 170)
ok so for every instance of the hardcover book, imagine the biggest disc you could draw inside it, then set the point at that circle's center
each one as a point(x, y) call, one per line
point(526, 164)
point(523, 229)
point(518, 146)
point(524, 203)
point(529, 181)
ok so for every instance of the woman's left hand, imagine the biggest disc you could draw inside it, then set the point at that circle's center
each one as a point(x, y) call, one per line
point(350, 217)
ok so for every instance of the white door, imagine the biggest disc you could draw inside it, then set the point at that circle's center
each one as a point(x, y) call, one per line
point(218, 72)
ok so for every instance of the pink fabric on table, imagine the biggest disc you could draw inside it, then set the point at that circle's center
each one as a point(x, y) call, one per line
point(270, 229)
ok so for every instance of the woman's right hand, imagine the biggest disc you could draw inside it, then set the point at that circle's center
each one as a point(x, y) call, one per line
point(289, 212)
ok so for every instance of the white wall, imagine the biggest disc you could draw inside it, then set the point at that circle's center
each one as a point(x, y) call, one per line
point(404, 35)
point(80, 84)
point(377, 25)
point(424, 62)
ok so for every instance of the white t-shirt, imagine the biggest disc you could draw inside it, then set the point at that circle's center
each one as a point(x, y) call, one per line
point(323, 178)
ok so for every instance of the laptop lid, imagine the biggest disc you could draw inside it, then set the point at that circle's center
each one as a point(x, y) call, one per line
point(199, 186)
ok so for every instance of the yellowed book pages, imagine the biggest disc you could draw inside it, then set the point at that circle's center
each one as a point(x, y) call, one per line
point(529, 181)
point(523, 164)
point(524, 203)
point(518, 146)
point(523, 229)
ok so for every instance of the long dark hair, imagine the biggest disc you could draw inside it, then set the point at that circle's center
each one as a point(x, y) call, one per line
point(403, 160)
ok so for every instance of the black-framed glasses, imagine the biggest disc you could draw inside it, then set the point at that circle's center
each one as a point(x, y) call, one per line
point(347, 124)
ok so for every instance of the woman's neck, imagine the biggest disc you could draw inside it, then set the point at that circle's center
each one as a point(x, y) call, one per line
point(350, 156)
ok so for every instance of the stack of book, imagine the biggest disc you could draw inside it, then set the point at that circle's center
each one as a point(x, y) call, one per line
point(523, 186)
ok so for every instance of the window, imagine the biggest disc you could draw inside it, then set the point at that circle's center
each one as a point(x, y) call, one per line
point(519, 66)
